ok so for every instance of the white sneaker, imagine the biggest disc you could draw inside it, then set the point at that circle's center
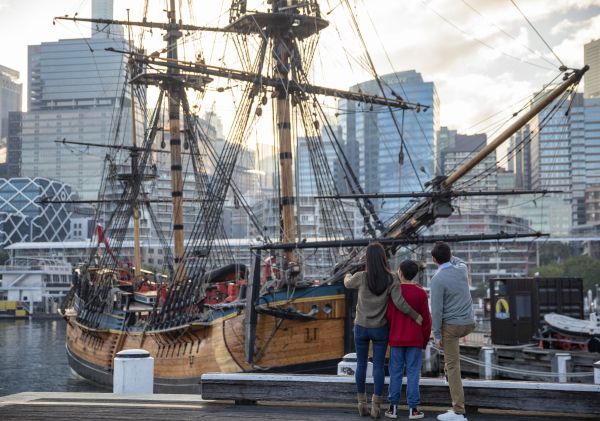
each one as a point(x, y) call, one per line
point(451, 416)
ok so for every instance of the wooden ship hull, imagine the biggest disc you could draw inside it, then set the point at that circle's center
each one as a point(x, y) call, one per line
point(182, 355)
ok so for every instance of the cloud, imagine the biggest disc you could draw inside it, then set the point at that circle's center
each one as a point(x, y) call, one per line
point(570, 50)
point(564, 26)
point(466, 99)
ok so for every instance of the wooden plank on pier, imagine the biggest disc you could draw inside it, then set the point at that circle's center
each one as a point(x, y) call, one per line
point(492, 394)
point(48, 406)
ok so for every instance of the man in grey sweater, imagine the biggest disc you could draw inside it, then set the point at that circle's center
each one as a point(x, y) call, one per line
point(452, 318)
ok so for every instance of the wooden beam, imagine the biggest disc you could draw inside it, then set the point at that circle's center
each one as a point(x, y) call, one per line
point(489, 394)
point(250, 315)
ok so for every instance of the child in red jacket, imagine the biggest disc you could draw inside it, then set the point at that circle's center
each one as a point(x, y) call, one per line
point(406, 339)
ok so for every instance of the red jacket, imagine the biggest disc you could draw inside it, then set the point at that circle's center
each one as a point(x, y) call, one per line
point(404, 331)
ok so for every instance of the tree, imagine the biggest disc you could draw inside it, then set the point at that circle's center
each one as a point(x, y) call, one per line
point(554, 253)
point(585, 267)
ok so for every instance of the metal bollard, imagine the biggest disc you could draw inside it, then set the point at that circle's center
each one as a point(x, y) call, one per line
point(597, 372)
point(486, 355)
point(133, 372)
point(559, 365)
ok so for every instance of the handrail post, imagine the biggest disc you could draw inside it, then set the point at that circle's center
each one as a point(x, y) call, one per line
point(559, 365)
point(486, 354)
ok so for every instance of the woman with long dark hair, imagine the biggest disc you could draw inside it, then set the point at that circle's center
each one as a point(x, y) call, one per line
point(374, 286)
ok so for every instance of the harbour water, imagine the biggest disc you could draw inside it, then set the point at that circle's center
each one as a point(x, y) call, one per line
point(33, 359)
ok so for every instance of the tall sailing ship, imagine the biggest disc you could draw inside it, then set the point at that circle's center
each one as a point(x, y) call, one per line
point(207, 312)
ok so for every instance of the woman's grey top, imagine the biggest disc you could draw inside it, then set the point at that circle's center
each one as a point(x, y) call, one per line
point(371, 308)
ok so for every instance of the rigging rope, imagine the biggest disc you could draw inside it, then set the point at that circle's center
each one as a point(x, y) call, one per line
point(537, 32)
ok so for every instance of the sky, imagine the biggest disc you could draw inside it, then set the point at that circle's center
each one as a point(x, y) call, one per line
point(481, 54)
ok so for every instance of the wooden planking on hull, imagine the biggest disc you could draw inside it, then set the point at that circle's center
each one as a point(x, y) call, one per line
point(283, 342)
point(219, 346)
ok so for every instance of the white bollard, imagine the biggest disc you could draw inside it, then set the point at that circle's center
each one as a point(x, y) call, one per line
point(597, 372)
point(559, 365)
point(133, 372)
point(347, 367)
point(428, 364)
point(486, 355)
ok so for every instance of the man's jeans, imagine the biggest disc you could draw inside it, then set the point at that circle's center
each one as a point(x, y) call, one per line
point(408, 357)
point(362, 337)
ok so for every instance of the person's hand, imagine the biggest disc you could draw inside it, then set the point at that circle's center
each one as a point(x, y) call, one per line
point(439, 344)
point(347, 276)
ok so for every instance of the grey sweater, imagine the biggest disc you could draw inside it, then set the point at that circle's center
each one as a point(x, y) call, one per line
point(371, 308)
point(451, 301)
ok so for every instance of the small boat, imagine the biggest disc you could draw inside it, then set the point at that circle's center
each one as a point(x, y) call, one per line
point(569, 332)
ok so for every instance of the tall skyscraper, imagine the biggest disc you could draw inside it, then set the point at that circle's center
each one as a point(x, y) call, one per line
point(551, 163)
point(10, 98)
point(585, 133)
point(482, 177)
point(373, 140)
point(307, 181)
point(591, 57)
point(77, 91)
point(12, 167)
point(519, 160)
point(579, 176)
point(446, 138)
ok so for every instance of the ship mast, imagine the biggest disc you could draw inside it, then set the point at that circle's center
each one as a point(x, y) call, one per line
point(281, 48)
point(173, 34)
point(137, 255)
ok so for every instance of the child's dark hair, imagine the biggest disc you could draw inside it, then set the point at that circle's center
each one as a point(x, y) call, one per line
point(409, 269)
point(441, 252)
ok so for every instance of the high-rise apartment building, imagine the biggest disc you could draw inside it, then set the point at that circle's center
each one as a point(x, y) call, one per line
point(551, 154)
point(488, 259)
point(519, 161)
point(77, 92)
point(12, 167)
point(483, 177)
point(11, 91)
point(591, 57)
point(446, 138)
point(579, 175)
point(373, 139)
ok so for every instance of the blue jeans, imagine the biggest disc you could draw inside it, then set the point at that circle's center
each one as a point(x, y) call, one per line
point(402, 357)
point(362, 337)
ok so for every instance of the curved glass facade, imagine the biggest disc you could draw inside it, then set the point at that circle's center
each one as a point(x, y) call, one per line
point(24, 216)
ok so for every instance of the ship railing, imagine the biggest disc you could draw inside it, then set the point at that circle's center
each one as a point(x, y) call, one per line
point(25, 306)
point(36, 264)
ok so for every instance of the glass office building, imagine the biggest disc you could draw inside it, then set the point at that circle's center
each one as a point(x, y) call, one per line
point(373, 140)
point(77, 92)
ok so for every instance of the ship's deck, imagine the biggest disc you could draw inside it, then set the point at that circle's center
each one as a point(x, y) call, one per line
point(97, 406)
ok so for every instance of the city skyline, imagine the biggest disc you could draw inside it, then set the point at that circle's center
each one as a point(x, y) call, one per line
point(481, 54)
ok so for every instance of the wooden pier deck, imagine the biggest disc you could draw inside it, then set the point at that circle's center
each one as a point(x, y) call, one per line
point(107, 406)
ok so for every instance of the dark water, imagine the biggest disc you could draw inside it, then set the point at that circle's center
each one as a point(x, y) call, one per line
point(33, 359)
